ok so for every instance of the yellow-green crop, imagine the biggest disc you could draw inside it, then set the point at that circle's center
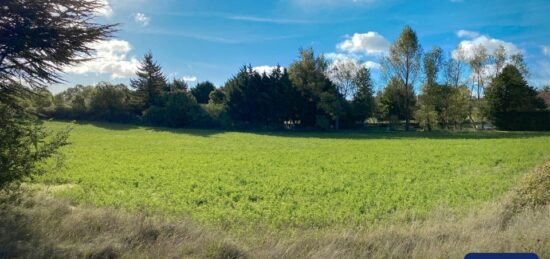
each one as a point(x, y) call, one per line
point(304, 180)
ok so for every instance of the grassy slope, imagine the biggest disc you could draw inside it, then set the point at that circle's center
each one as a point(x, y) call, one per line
point(294, 180)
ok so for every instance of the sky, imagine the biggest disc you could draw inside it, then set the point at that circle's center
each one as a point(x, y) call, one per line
point(199, 40)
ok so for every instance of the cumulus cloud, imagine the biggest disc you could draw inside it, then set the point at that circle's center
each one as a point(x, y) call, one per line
point(106, 10)
point(337, 59)
point(189, 78)
point(491, 44)
point(142, 19)
point(546, 50)
point(109, 57)
point(370, 43)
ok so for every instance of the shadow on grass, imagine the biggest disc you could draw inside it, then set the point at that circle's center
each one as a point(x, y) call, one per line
point(344, 134)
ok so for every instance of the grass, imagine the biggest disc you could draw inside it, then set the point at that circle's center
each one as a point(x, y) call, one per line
point(291, 181)
point(35, 225)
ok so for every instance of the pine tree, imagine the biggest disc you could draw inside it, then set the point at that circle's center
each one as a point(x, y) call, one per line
point(150, 82)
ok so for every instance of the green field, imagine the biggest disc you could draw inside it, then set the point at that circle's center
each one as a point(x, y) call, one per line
point(290, 180)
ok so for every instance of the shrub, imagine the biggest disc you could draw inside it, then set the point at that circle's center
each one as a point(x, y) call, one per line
point(181, 109)
point(25, 145)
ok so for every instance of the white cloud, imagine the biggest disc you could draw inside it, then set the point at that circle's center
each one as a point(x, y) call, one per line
point(189, 78)
point(110, 57)
point(142, 19)
point(370, 43)
point(467, 34)
point(491, 44)
point(340, 58)
point(264, 69)
point(546, 50)
point(106, 10)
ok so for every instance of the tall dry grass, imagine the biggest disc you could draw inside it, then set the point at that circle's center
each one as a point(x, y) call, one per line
point(34, 225)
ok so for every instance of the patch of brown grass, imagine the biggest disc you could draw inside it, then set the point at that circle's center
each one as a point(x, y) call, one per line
point(34, 225)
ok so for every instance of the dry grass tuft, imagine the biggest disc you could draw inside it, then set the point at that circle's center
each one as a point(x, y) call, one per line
point(34, 225)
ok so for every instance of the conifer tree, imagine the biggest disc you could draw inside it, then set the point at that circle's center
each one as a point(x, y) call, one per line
point(150, 82)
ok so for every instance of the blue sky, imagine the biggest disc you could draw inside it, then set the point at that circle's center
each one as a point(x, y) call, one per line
point(210, 40)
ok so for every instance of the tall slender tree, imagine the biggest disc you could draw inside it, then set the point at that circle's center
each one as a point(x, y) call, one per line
point(363, 99)
point(403, 62)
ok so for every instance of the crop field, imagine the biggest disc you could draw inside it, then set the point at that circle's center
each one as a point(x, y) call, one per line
point(292, 180)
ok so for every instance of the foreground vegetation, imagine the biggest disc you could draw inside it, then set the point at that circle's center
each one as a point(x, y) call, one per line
point(290, 181)
point(32, 224)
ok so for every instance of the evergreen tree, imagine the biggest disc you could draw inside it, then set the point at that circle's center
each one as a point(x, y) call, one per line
point(319, 100)
point(150, 82)
point(363, 100)
point(510, 92)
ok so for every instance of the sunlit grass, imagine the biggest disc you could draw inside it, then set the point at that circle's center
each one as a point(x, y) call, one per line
point(303, 180)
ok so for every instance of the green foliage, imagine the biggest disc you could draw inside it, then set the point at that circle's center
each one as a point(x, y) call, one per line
point(363, 105)
point(202, 92)
point(25, 145)
point(38, 39)
point(318, 96)
point(239, 180)
point(150, 83)
point(458, 107)
point(426, 117)
point(259, 101)
point(403, 64)
point(509, 93)
point(177, 85)
point(216, 97)
point(110, 103)
point(181, 109)
point(394, 100)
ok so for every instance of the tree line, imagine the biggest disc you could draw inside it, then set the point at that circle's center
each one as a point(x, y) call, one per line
point(427, 89)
